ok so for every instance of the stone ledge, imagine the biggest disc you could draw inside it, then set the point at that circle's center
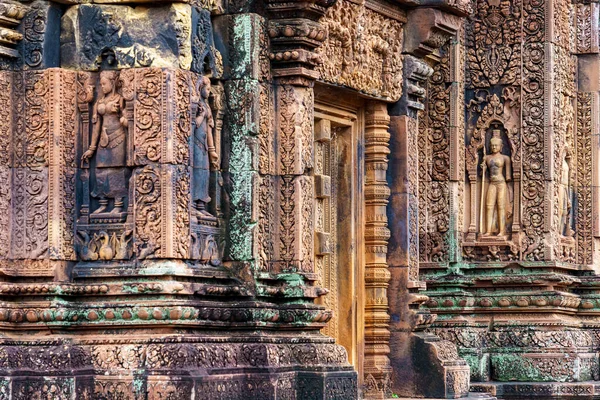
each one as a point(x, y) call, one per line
point(539, 390)
point(471, 396)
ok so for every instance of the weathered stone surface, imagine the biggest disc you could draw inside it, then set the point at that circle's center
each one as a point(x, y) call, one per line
point(40, 27)
point(195, 194)
point(121, 36)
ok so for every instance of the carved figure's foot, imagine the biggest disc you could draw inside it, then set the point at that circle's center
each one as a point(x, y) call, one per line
point(487, 234)
point(102, 208)
point(502, 233)
point(204, 214)
point(116, 210)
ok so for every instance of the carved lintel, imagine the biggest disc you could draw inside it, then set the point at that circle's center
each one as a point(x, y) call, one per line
point(458, 7)
point(427, 30)
point(363, 49)
point(310, 9)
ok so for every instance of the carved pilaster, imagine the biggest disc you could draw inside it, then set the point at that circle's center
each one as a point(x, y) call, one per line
point(587, 17)
point(294, 34)
point(6, 101)
point(404, 245)
point(377, 335)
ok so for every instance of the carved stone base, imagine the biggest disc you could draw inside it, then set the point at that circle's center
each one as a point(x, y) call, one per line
point(511, 352)
point(176, 367)
point(431, 368)
point(108, 217)
point(491, 248)
point(541, 391)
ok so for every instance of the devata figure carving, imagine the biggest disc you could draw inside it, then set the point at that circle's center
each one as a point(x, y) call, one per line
point(496, 198)
point(205, 154)
point(564, 200)
point(109, 143)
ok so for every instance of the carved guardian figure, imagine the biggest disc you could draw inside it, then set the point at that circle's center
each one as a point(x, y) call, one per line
point(496, 199)
point(564, 200)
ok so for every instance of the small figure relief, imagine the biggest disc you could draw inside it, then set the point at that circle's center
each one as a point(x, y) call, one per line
point(496, 208)
point(565, 196)
point(205, 248)
point(107, 152)
point(205, 156)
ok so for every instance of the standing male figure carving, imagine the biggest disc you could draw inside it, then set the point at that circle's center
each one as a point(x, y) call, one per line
point(500, 171)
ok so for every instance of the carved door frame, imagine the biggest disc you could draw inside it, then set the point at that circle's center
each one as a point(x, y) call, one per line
point(344, 112)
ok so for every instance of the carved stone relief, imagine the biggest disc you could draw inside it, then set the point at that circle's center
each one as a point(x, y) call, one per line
point(363, 49)
point(491, 159)
point(493, 42)
point(120, 36)
point(142, 175)
point(121, 174)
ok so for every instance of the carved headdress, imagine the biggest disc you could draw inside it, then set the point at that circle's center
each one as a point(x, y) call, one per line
point(496, 137)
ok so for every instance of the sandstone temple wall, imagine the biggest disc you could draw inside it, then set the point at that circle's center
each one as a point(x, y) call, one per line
point(299, 199)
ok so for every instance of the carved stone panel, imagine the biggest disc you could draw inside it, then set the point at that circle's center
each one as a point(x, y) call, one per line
point(98, 36)
point(363, 48)
point(149, 179)
point(39, 147)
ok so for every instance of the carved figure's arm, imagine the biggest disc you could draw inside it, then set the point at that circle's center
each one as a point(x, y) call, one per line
point(123, 120)
point(210, 140)
point(508, 167)
point(97, 124)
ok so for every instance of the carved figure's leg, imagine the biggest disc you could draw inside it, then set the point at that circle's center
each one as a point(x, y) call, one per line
point(501, 201)
point(490, 202)
point(118, 205)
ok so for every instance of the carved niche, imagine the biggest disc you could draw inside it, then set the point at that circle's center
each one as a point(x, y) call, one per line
point(106, 212)
point(493, 176)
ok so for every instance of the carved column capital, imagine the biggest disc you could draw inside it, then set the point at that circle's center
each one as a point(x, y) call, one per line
point(11, 14)
point(427, 30)
point(295, 33)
